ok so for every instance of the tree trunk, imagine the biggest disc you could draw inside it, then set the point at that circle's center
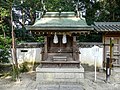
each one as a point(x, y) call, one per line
point(14, 57)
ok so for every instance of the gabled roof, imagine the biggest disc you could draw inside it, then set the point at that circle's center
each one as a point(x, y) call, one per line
point(107, 26)
point(60, 21)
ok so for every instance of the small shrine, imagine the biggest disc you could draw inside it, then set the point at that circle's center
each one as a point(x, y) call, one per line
point(60, 53)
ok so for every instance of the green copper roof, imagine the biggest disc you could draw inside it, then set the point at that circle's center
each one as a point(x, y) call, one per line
point(64, 20)
point(60, 22)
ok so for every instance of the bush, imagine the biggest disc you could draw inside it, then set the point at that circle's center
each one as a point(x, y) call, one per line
point(28, 66)
point(4, 55)
point(24, 67)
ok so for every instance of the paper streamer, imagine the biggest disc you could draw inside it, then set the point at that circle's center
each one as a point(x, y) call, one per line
point(55, 40)
point(64, 39)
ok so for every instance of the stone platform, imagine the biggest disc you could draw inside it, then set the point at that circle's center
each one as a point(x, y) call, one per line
point(60, 75)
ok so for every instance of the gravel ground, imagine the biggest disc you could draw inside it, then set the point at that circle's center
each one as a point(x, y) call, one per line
point(28, 82)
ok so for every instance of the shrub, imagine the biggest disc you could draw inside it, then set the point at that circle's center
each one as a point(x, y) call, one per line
point(24, 67)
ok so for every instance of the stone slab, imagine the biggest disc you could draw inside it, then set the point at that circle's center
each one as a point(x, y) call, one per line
point(60, 70)
point(59, 74)
point(59, 87)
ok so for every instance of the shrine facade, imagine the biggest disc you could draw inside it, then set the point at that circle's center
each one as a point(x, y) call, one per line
point(60, 55)
point(60, 30)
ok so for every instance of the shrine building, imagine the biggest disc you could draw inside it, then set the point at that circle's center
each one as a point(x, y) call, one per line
point(60, 54)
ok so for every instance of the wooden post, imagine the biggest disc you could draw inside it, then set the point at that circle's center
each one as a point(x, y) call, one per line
point(74, 48)
point(111, 52)
point(45, 44)
point(45, 48)
point(104, 51)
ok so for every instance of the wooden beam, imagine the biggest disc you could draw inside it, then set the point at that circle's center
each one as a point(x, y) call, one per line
point(45, 45)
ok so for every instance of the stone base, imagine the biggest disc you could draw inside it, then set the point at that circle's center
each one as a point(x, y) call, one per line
point(59, 74)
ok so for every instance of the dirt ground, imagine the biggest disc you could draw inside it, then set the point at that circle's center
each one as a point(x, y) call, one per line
point(28, 82)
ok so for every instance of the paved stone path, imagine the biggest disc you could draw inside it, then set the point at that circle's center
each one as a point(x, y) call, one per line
point(28, 83)
point(59, 87)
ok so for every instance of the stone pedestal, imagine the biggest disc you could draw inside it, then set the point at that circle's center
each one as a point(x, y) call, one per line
point(59, 74)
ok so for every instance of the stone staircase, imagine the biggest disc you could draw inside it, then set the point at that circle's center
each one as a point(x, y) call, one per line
point(59, 58)
point(59, 75)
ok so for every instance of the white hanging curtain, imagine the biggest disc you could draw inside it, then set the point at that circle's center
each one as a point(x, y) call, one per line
point(64, 39)
point(55, 40)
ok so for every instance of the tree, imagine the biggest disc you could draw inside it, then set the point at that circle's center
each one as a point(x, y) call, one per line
point(112, 9)
point(9, 4)
point(59, 5)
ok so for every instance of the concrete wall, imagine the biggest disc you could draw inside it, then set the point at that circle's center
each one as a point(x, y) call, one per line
point(34, 54)
point(87, 56)
point(28, 54)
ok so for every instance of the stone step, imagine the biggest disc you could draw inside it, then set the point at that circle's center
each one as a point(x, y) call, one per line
point(59, 59)
point(59, 74)
point(64, 62)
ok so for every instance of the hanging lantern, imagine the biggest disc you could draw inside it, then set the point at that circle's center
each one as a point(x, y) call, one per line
point(55, 40)
point(64, 39)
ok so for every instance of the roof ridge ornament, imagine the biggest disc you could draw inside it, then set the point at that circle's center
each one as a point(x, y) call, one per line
point(39, 14)
point(81, 17)
point(59, 11)
point(78, 8)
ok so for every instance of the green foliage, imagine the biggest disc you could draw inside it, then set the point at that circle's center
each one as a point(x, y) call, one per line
point(4, 55)
point(27, 66)
point(23, 35)
point(4, 46)
point(5, 41)
point(40, 39)
point(24, 67)
point(55, 5)
point(4, 12)
point(110, 10)
point(90, 38)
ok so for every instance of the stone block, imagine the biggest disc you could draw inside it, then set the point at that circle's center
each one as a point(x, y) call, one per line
point(79, 75)
point(59, 75)
point(48, 76)
point(71, 87)
point(39, 76)
point(70, 75)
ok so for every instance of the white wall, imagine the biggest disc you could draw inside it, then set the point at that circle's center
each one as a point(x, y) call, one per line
point(86, 56)
point(32, 54)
